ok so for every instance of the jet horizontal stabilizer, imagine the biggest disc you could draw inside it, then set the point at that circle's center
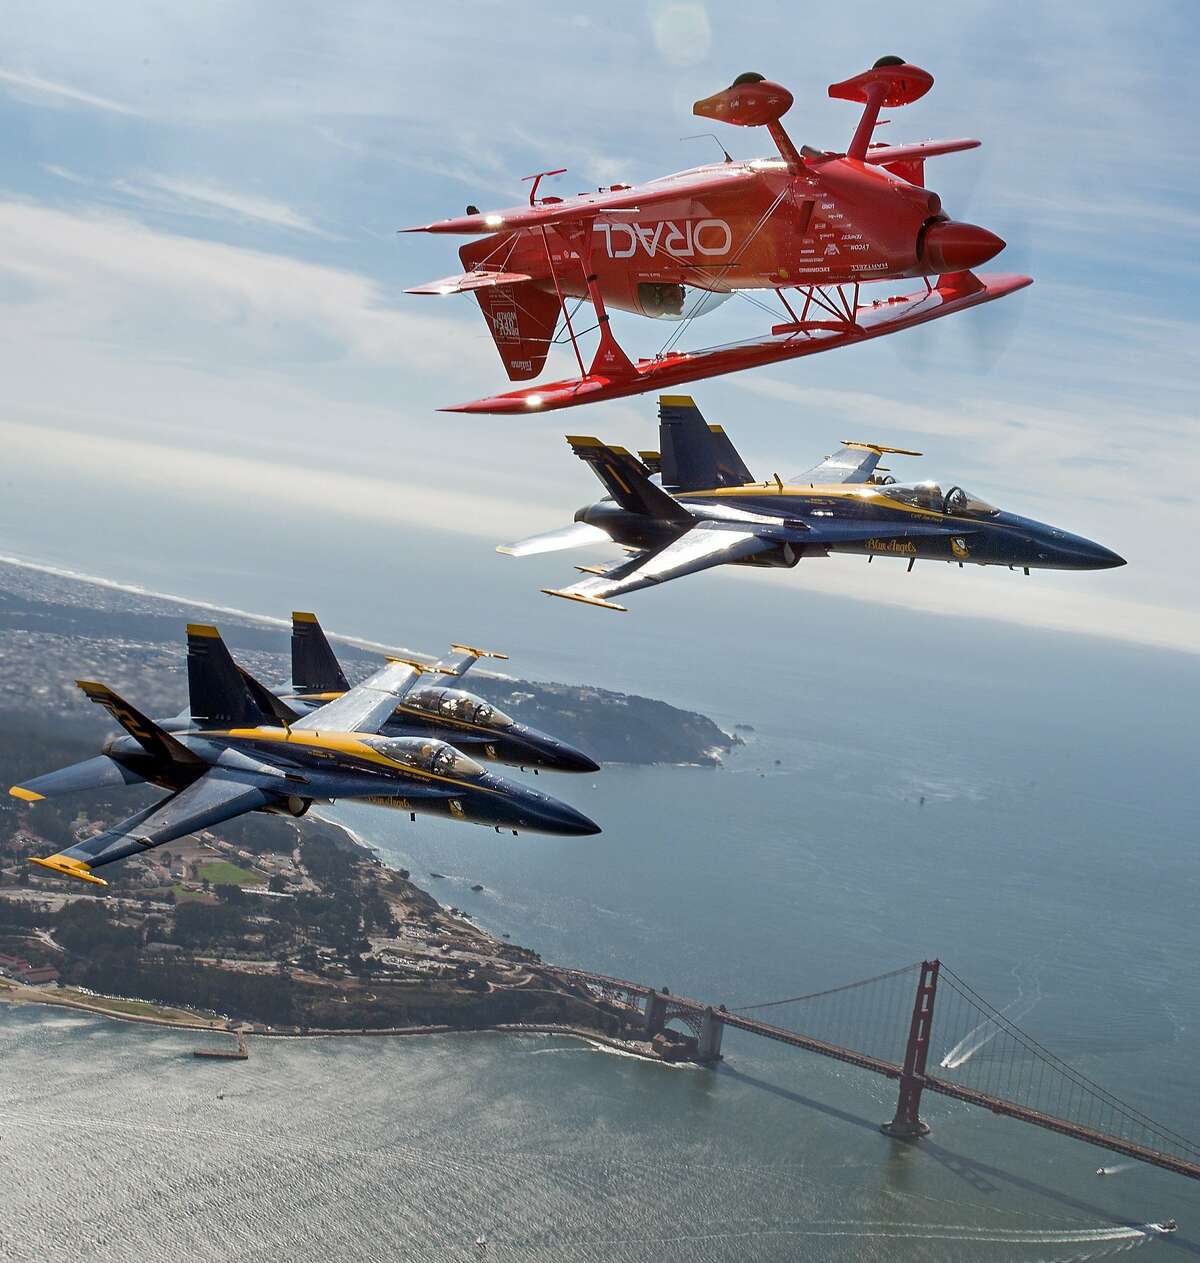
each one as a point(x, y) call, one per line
point(98, 773)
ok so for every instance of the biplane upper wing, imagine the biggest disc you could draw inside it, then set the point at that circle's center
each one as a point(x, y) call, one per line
point(616, 200)
point(214, 797)
point(954, 292)
point(852, 462)
point(706, 544)
point(468, 282)
point(368, 705)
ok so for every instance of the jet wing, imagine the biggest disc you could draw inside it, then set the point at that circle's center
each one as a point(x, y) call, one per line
point(367, 706)
point(852, 462)
point(464, 658)
point(706, 544)
point(577, 535)
point(212, 798)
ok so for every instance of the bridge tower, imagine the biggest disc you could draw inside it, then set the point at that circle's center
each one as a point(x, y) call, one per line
point(908, 1125)
point(712, 1027)
point(656, 1012)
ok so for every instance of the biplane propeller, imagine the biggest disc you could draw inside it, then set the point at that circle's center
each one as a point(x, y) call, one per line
point(811, 225)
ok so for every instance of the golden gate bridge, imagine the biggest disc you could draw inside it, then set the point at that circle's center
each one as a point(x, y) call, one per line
point(890, 1024)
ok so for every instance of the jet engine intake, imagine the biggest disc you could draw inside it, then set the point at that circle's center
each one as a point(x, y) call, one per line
point(292, 805)
point(781, 557)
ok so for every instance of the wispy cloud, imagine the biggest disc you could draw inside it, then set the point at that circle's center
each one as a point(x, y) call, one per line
point(192, 195)
point(64, 92)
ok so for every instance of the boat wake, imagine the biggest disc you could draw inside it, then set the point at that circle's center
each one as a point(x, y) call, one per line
point(987, 1030)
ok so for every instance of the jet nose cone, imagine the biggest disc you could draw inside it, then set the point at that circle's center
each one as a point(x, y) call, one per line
point(1061, 551)
point(949, 246)
point(571, 760)
point(1105, 558)
point(574, 824)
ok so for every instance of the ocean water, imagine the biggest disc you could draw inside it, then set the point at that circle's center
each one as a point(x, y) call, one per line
point(1052, 864)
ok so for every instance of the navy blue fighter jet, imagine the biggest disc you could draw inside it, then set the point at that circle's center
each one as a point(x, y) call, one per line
point(431, 709)
point(237, 754)
point(693, 505)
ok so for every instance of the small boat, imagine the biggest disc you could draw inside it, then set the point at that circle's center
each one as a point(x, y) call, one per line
point(1169, 1226)
point(481, 1242)
point(1101, 1171)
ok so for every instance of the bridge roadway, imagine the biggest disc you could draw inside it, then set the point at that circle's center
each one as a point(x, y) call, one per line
point(890, 1070)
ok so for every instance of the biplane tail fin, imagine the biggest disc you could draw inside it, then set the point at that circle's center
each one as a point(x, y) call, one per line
point(627, 480)
point(521, 316)
point(752, 100)
point(891, 81)
point(695, 456)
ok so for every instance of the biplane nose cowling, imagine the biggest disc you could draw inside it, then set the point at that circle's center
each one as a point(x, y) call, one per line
point(949, 246)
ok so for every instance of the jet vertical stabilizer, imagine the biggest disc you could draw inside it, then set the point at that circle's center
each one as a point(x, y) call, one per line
point(315, 668)
point(217, 693)
point(695, 456)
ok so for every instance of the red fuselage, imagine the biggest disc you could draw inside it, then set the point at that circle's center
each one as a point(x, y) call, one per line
point(754, 225)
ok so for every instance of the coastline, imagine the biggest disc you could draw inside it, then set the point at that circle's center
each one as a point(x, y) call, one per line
point(149, 1013)
point(180, 1020)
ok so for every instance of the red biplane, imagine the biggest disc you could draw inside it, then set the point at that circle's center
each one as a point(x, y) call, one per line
point(815, 223)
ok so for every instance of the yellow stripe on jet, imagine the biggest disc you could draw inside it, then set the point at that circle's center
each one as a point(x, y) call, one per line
point(338, 743)
point(26, 795)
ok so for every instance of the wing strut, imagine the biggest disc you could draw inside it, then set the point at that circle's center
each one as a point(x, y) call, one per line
point(677, 333)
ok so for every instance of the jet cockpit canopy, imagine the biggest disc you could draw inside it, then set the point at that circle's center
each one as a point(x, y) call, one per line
point(929, 496)
point(918, 495)
point(962, 503)
point(455, 704)
point(437, 757)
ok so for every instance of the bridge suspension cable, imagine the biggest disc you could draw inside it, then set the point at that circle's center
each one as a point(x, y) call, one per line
point(816, 995)
point(1024, 1071)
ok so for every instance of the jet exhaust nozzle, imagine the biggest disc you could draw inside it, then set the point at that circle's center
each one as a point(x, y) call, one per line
point(949, 246)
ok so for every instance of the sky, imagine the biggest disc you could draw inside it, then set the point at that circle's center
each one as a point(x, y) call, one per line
point(201, 279)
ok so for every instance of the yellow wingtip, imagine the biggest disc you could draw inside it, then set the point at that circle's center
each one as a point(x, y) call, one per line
point(419, 667)
point(585, 600)
point(26, 795)
point(303, 616)
point(68, 868)
point(677, 401)
point(205, 630)
point(479, 653)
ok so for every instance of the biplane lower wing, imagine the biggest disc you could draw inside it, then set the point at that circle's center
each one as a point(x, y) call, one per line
point(953, 293)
